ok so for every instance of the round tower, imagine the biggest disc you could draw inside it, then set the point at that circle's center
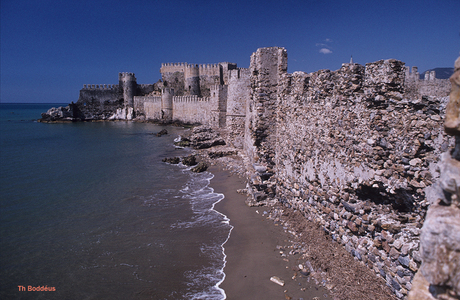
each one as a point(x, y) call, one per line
point(127, 81)
point(167, 104)
point(192, 80)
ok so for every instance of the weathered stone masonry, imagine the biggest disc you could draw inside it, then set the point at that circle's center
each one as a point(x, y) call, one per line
point(352, 151)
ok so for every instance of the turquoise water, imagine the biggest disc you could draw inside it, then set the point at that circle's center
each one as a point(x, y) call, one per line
point(90, 210)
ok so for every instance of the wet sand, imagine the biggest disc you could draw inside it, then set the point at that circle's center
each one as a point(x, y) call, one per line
point(253, 254)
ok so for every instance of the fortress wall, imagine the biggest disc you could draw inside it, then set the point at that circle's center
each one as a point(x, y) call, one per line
point(206, 83)
point(191, 109)
point(209, 69)
point(433, 88)
point(349, 150)
point(175, 81)
point(98, 103)
point(355, 156)
point(150, 106)
point(152, 109)
point(237, 96)
point(100, 96)
point(172, 67)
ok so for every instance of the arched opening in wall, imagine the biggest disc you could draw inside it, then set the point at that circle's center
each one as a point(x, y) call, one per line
point(214, 94)
point(189, 87)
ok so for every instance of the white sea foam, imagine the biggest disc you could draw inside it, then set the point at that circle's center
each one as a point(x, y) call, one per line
point(205, 284)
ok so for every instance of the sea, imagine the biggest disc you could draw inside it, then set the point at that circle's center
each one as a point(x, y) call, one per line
point(88, 210)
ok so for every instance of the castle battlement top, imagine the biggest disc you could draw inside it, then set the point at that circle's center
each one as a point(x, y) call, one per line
point(200, 69)
point(100, 86)
point(190, 99)
point(126, 76)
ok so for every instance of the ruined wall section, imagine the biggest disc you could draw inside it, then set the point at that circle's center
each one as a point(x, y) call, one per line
point(266, 67)
point(384, 82)
point(354, 155)
point(98, 101)
point(439, 275)
point(238, 95)
point(99, 93)
point(429, 86)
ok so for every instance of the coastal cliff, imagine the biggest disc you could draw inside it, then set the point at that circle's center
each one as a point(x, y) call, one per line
point(356, 151)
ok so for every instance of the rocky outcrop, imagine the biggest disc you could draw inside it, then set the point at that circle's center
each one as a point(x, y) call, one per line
point(189, 160)
point(204, 137)
point(162, 132)
point(201, 167)
point(439, 275)
point(76, 112)
point(59, 114)
point(171, 160)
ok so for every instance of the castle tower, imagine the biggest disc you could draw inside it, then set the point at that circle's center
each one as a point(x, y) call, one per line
point(127, 82)
point(192, 80)
point(167, 104)
point(224, 68)
point(218, 105)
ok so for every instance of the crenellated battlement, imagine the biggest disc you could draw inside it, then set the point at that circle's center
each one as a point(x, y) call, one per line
point(100, 86)
point(216, 87)
point(190, 99)
point(431, 75)
point(191, 69)
point(150, 99)
point(428, 86)
point(209, 69)
point(126, 76)
point(412, 74)
point(172, 67)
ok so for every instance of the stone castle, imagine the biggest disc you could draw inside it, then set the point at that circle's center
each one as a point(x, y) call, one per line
point(356, 150)
point(213, 94)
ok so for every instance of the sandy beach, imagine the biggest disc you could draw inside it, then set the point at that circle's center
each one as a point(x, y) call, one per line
point(254, 250)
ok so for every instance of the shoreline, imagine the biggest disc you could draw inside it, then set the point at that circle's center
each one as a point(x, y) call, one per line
point(255, 249)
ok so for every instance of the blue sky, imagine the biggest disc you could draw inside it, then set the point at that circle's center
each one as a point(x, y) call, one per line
point(50, 48)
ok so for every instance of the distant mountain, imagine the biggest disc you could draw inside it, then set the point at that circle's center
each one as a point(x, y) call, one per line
point(441, 73)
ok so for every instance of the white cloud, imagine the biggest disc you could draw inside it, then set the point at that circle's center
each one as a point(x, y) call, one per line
point(328, 40)
point(325, 51)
